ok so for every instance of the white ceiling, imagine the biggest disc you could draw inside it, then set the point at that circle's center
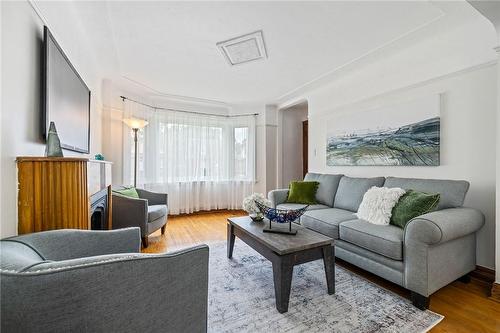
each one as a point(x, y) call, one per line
point(170, 47)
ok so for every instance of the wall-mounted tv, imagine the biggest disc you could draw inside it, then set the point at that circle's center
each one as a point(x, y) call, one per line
point(65, 98)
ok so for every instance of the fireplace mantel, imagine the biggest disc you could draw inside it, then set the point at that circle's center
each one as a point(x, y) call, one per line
point(60, 193)
point(99, 189)
point(98, 175)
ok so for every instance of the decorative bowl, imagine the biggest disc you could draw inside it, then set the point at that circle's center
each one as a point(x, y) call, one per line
point(281, 216)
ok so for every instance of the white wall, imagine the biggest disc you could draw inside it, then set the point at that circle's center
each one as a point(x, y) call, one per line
point(1, 122)
point(22, 35)
point(497, 237)
point(491, 10)
point(113, 127)
point(260, 148)
point(290, 144)
point(271, 145)
point(426, 65)
point(468, 118)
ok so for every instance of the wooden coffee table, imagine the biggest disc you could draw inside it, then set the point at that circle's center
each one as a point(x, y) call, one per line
point(284, 252)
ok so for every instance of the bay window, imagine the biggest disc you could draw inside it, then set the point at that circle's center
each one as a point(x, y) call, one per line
point(203, 162)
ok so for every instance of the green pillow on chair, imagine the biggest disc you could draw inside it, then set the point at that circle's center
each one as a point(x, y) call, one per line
point(302, 193)
point(412, 204)
point(128, 192)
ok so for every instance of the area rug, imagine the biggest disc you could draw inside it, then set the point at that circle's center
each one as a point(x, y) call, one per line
point(241, 299)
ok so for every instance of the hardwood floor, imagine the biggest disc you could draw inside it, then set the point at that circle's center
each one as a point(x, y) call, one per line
point(466, 307)
point(188, 230)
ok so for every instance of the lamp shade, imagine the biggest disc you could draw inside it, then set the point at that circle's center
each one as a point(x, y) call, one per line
point(135, 123)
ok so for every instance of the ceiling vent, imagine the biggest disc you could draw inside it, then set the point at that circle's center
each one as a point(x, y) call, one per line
point(244, 48)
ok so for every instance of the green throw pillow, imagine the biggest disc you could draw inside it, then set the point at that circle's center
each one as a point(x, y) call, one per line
point(412, 204)
point(128, 192)
point(302, 192)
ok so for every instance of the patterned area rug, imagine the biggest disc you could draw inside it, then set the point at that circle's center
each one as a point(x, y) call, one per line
point(241, 299)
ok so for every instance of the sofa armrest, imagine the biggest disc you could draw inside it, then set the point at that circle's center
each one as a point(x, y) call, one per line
point(153, 197)
point(130, 212)
point(440, 247)
point(67, 244)
point(444, 225)
point(278, 196)
point(138, 292)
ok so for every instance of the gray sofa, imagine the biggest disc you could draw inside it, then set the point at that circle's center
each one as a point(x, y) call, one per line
point(430, 252)
point(97, 281)
point(148, 212)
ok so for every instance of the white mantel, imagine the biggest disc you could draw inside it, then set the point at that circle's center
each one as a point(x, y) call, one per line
point(98, 176)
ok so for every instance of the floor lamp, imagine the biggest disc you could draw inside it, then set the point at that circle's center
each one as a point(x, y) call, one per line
point(135, 124)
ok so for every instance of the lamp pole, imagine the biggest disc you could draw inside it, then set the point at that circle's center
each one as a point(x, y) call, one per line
point(135, 124)
point(135, 156)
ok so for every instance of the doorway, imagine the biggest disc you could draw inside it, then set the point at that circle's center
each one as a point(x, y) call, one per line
point(293, 143)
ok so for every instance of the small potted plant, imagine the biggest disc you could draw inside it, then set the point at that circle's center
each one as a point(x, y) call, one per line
point(251, 208)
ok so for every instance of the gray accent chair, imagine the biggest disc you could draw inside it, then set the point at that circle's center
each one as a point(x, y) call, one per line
point(149, 212)
point(433, 249)
point(97, 281)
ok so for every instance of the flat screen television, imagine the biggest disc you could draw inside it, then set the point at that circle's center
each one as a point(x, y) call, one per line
point(65, 98)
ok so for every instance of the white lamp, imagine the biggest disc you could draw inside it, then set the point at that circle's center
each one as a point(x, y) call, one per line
point(135, 124)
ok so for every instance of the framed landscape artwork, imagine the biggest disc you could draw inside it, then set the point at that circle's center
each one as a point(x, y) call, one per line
point(405, 134)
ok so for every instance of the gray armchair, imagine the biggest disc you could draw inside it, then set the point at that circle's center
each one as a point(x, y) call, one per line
point(97, 281)
point(149, 212)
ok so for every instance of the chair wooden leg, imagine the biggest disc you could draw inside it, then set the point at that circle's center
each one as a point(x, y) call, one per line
point(145, 241)
point(163, 229)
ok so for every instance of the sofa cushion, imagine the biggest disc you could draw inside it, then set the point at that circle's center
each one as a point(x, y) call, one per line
point(378, 204)
point(452, 191)
point(290, 206)
point(302, 192)
point(327, 188)
point(156, 211)
point(127, 192)
point(386, 240)
point(351, 190)
point(411, 205)
point(326, 221)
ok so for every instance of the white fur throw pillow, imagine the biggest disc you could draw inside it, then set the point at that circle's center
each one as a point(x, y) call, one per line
point(378, 203)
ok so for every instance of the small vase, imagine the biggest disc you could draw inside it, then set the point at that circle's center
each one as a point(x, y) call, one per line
point(256, 217)
point(53, 146)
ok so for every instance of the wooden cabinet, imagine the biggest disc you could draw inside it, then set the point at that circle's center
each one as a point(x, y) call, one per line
point(53, 193)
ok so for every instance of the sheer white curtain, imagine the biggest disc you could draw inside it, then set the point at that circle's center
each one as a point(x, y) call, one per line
point(203, 162)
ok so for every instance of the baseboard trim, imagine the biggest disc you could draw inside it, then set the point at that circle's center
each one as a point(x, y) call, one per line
point(483, 274)
point(495, 292)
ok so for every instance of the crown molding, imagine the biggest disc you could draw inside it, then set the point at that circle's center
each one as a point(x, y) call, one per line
point(492, 63)
point(180, 98)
